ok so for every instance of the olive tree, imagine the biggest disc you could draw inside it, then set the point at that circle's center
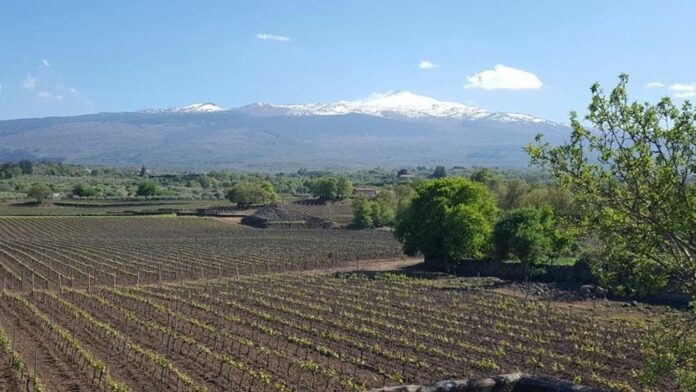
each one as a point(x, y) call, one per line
point(40, 192)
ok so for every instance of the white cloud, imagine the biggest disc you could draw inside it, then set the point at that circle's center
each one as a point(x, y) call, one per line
point(44, 94)
point(45, 63)
point(503, 77)
point(682, 90)
point(654, 85)
point(425, 64)
point(29, 82)
point(271, 37)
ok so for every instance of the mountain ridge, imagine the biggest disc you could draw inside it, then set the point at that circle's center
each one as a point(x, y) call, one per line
point(388, 130)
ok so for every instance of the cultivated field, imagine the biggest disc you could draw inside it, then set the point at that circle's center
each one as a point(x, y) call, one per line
point(313, 332)
point(48, 252)
point(192, 304)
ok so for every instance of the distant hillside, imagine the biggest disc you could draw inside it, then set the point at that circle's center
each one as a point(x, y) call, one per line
point(389, 130)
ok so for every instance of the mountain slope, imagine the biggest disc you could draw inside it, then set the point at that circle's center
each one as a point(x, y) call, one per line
point(393, 129)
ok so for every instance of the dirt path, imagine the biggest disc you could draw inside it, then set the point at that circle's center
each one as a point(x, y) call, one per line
point(55, 369)
point(369, 265)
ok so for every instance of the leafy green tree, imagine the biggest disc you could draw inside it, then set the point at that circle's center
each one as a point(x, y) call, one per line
point(344, 188)
point(528, 234)
point(377, 212)
point(251, 193)
point(448, 219)
point(40, 192)
point(493, 180)
point(325, 188)
point(632, 174)
point(632, 171)
point(148, 188)
point(515, 191)
point(26, 166)
point(85, 191)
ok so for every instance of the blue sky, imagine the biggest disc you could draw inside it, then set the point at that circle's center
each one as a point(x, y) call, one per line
point(70, 57)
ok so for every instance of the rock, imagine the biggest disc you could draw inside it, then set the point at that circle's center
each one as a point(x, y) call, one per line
point(587, 290)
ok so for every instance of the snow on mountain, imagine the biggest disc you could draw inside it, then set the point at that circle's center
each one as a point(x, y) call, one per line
point(194, 108)
point(392, 104)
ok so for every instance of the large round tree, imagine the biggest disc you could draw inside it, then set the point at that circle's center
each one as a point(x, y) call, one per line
point(449, 219)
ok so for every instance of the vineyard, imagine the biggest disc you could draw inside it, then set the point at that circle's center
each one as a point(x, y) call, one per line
point(313, 332)
point(195, 304)
point(79, 252)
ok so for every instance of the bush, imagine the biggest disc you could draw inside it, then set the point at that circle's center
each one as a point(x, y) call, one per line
point(528, 234)
point(250, 193)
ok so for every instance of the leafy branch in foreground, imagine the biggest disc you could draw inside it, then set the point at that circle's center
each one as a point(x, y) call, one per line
point(632, 172)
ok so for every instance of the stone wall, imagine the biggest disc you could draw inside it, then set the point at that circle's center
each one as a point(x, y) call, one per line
point(517, 382)
point(512, 270)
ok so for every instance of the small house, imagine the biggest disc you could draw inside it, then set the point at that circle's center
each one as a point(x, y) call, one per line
point(367, 192)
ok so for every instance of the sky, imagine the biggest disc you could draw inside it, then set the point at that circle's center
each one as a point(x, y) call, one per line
point(535, 57)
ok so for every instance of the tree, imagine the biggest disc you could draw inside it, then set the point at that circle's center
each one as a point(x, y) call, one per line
point(148, 188)
point(632, 174)
point(514, 194)
point(344, 188)
point(439, 172)
point(325, 188)
point(377, 212)
point(528, 234)
point(39, 191)
point(26, 166)
point(84, 191)
point(249, 193)
point(142, 172)
point(449, 219)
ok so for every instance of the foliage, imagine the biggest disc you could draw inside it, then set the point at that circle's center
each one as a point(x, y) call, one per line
point(85, 191)
point(528, 234)
point(376, 212)
point(26, 166)
point(632, 174)
point(449, 219)
point(148, 188)
point(40, 192)
point(332, 188)
point(671, 351)
point(250, 193)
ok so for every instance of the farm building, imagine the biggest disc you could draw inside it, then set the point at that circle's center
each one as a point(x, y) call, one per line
point(367, 192)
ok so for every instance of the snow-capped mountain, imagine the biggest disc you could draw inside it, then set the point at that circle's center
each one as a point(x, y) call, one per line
point(396, 129)
point(392, 104)
point(193, 108)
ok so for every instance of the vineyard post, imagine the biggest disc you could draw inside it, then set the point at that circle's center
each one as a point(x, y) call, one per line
point(159, 276)
point(220, 271)
point(138, 278)
point(114, 279)
point(60, 284)
point(89, 283)
point(236, 269)
point(32, 283)
point(36, 363)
